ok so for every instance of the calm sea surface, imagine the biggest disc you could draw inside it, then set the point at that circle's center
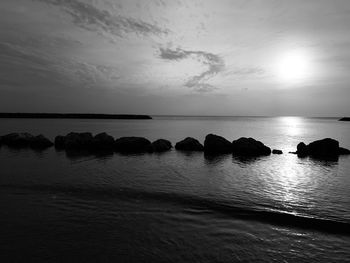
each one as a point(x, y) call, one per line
point(176, 207)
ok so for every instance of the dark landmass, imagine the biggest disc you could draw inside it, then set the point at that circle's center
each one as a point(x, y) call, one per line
point(345, 119)
point(75, 116)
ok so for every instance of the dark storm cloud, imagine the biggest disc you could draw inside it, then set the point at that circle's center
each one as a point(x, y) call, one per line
point(214, 63)
point(91, 18)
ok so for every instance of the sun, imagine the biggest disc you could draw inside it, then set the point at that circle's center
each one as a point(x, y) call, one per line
point(294, 66)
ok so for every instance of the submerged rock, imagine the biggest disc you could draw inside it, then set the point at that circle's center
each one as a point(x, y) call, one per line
point(249, 147)
point(274, 151)
point(216, 144)
point(161, 145)
point(132, 144)
point(24, 139)
point(324, 148)
point(189, 144)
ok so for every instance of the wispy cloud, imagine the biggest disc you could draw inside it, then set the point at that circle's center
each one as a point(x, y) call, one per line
point(44, 66)
point(214, 63)
point(89, 17)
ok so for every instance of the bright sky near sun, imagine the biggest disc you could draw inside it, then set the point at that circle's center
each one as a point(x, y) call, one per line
point(201, 57)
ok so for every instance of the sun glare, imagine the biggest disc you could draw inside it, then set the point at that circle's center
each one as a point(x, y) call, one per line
point(294, 66)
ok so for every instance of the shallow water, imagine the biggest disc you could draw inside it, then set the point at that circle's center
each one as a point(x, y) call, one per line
point(176, 207)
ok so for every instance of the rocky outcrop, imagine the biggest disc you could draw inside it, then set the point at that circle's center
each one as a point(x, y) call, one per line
point(189, 144)
point(345, 119)
point(325, 148)
point(21, 140)
point(216, 144)
point(249, 147)
point(161, 145)
point(132, 144)
point(275, 151)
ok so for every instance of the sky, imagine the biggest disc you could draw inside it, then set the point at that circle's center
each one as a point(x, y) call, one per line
point(176, 57)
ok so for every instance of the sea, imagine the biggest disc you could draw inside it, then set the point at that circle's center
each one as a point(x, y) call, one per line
point(176, 206)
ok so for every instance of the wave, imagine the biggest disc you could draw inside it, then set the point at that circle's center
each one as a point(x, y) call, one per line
point(239, 211)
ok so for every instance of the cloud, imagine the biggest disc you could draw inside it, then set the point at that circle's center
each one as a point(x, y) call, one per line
point(42, 68)
point(89, 17)
point(204, 88)
point(246, 72)
point(214, 63)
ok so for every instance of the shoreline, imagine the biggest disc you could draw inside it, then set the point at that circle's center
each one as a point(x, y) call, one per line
point(18, 115)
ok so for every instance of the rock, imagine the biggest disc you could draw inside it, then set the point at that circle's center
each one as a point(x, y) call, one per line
point(132, 144)
point(274, 151)
point(82, 140)
point(324, 148)
point(59, 142)
point(216, 144)
point(249, 147)
point(17, 139)
point(343, 151)
point(21, 140)
point(161, 145)
point(189, 144)
point(302, 149)
point(103, 141)
point(40, 142)
point(75, 141)
point(345, 119)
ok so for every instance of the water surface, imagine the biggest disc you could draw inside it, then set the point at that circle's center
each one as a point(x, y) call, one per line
point(176, 207)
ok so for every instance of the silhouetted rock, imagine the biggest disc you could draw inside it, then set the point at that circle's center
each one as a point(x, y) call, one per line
point(21, 140)
point(40, 142)
point(75, 140)
point(17, 139)
point(343, 151)
point(103, 141)
point(189, 144)
point(274, 151)
point(345, 119)
point(216, 144)
point(82, 140)
point(325, 148)
point(302, 149)
point(161, 145)
point(59, 141)
point(132, 144)
point(249, 147)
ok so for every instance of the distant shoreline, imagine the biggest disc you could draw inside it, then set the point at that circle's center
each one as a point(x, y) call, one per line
point(74, 116)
